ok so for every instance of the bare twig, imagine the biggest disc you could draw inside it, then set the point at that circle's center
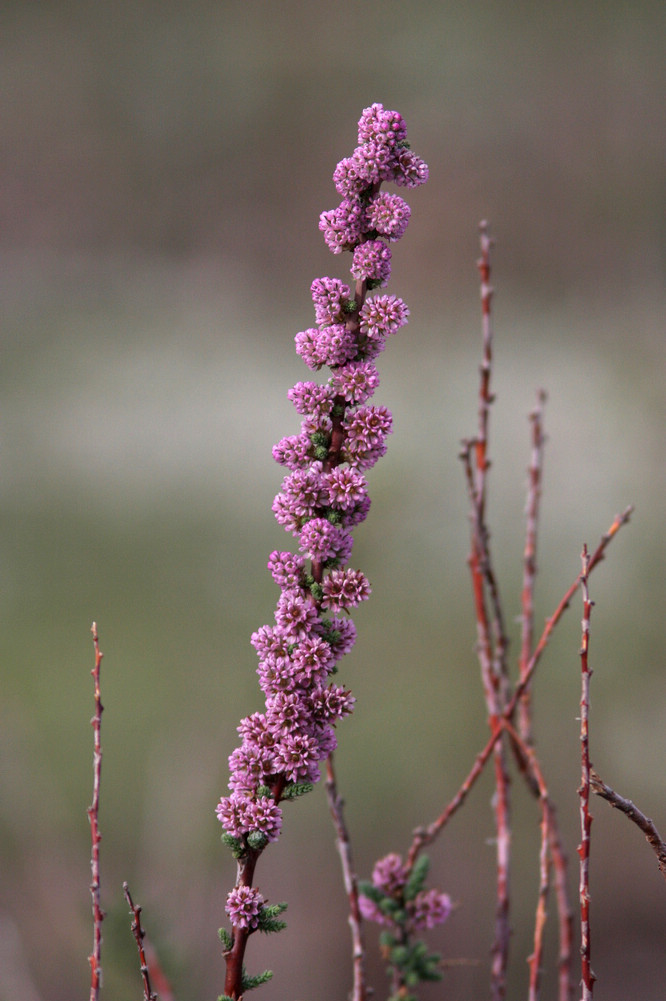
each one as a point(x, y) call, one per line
point(95, 958)
point(360, 991)
point(597, 557)
point(626, 806)
point(529, 559)
point(139, 933)
point(491, 634)
point(587, 975)
point(550, 852)
point(565, 916)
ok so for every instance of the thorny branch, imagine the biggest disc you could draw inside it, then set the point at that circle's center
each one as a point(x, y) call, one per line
point(626, 806)
point(587, 975)
point(139, 935)
point(95, 958)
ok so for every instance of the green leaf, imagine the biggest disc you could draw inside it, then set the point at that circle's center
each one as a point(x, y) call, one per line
point(293, 790)
point(268, 918)
point(235, 845)
point(417, 877)
point(249, 983)
point(369, 890)
point(257, 840)
point(226, 939)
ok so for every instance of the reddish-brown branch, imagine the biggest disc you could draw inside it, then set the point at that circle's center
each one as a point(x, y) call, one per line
point(550, 851)
point(424, 836)
point(139, 934)
point(529, 559)
point(565, 916)
point(482, 462)
point(491, 634)
point(233, 983)
point(95, 958)
point(630, 810)
point(587, 976)
point(360, 990)
point(500, 947)
point(597, 557)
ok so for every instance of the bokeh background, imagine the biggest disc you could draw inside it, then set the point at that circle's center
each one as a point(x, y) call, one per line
point(164, 167)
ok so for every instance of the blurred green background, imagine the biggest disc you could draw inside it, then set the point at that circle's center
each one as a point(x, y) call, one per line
point(164, 168)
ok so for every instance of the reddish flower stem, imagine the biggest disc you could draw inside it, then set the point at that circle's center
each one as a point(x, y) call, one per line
point(95, 958)
point(233, 982)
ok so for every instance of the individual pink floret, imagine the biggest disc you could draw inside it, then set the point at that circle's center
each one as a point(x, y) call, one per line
point(243, 906)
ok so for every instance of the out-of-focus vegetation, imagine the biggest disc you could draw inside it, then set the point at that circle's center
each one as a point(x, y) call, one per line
point(164, 169)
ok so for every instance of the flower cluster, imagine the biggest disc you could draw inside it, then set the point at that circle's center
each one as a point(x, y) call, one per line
point(395, 901)
point(366, 220)
point(322, 498)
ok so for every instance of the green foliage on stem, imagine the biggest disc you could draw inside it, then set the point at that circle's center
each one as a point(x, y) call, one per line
point(412, 961)
point(257, 840)
point(249, 983)
point(329, 634)
point(293, 790)
point(409, 961)
point(226, 939)
point(235, 845)
point(268, 918)
point(391, 907)
point(417, 877)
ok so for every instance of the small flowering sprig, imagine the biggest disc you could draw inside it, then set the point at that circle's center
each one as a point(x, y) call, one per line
point(322, 498)
point(397, 900)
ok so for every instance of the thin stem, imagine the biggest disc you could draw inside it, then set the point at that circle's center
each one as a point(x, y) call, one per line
point(587, 975)
point(95, 958)
point(565, 916)
point(424, 836)
point(630, 810)
point(234, 957)
point(139, 934)
point(529, 559)
point(491, 634)
point(550, 852)
point(596, 558)
point(360, 991)
point(485, 396)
